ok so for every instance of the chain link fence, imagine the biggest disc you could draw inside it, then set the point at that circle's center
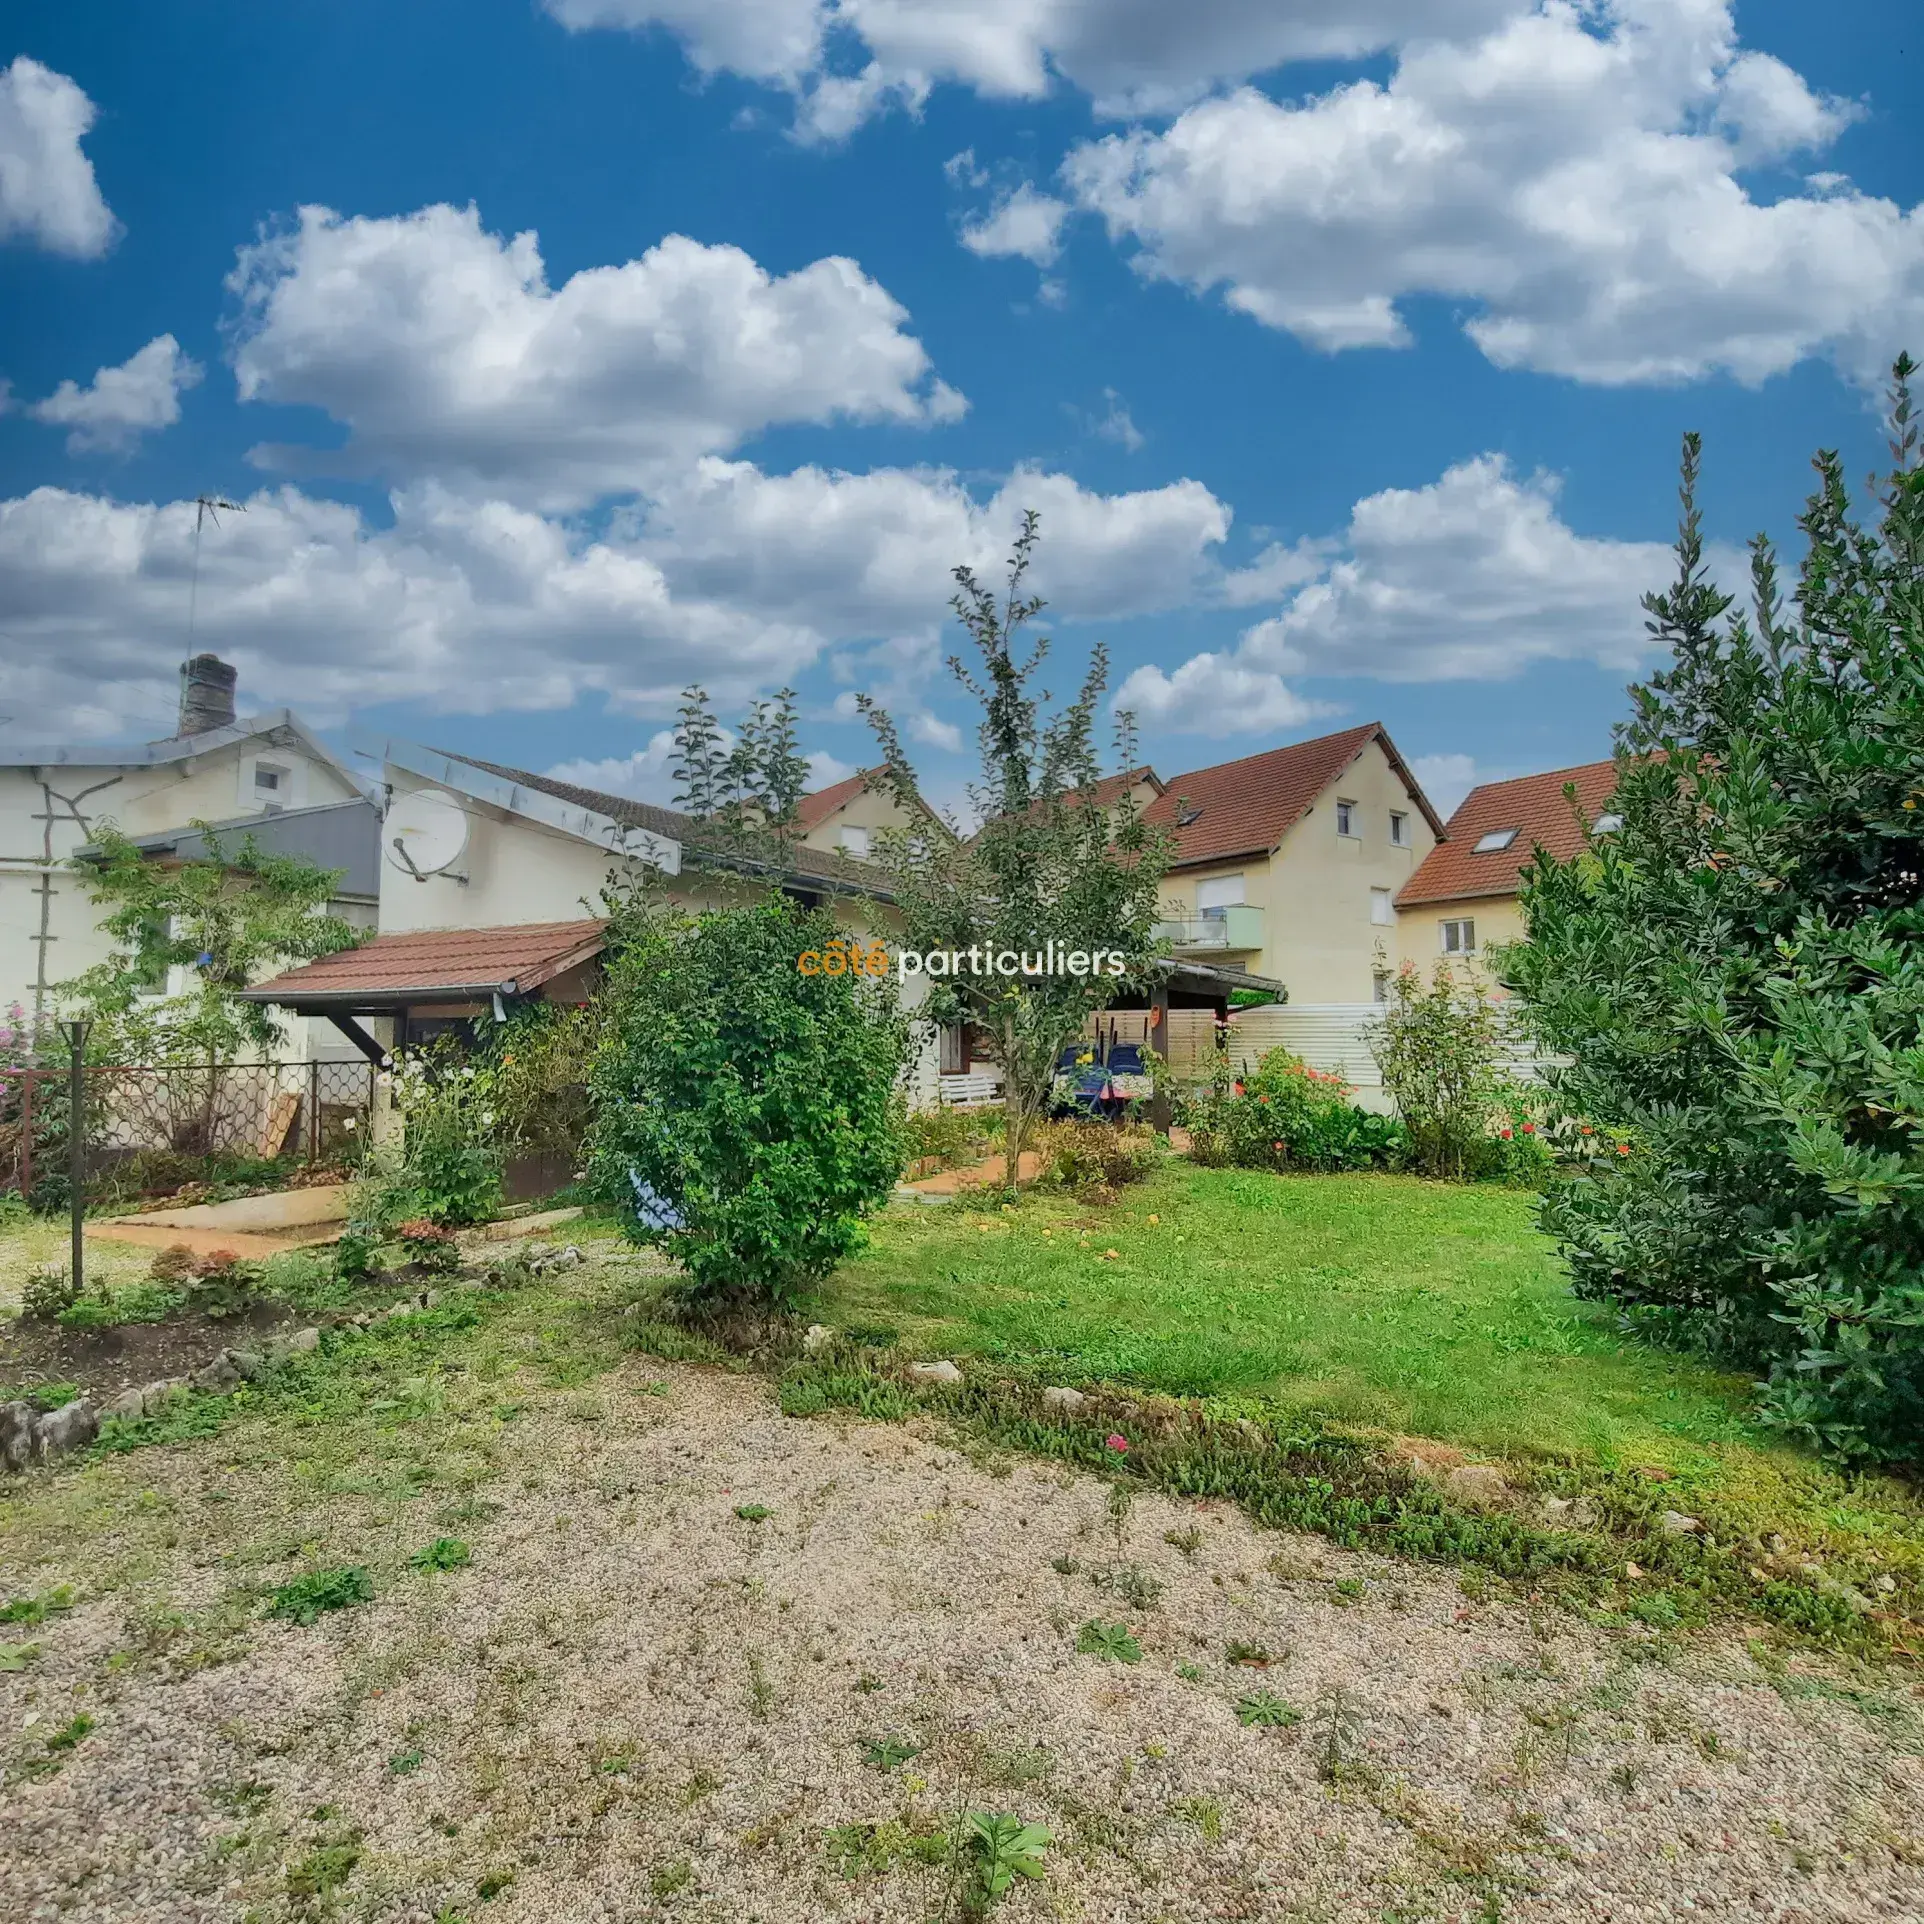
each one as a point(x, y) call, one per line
point(150, 1131)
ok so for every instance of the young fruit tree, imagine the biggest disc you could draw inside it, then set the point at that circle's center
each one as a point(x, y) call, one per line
point(1055, 869)
point(1732, 973)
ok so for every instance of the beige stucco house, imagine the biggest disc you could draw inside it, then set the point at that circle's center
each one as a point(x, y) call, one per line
point(1464, 899)
point(1288, 863)
point(55, 799)
point(846, 817)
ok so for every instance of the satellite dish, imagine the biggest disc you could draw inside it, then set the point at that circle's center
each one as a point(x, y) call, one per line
point(424, 833)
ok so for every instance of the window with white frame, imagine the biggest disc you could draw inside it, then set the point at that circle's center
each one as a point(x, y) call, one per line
point(1399, 830)
point(1215, 894)
point(1346, 818)
point(1458, 936)
point(273, 786)
point(1382, 915)
point(855, 842)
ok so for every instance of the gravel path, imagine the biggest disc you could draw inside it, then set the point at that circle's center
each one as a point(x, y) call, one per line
point(638, 1703)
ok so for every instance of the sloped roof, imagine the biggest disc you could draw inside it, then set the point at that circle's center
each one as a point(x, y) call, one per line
point(177, 748)
point(823, 802)
point(820, 866)
point(1112, 788)
point(428, 965)
point(1246, 807)
point(1533, 805)
point(343, 836)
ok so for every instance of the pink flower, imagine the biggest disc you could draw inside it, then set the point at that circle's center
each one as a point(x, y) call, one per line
point(1120, 1444)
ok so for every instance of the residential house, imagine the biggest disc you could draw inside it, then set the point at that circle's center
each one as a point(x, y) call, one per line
point(1288, 863)
point(491, 887)
point(1464, 898)
point(54, 800)
point(846, 816)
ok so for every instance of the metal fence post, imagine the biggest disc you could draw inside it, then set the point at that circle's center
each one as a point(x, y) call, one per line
point(77, 1030)
point(313, 1112)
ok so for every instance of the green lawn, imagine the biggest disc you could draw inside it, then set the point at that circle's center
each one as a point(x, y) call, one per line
point(1377, 1301)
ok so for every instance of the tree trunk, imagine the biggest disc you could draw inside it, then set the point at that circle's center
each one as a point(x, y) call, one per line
point(1015, 1107)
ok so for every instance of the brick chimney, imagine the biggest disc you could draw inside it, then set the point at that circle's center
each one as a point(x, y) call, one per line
point(206, 694)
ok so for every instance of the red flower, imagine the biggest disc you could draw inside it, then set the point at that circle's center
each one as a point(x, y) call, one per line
point(1120, 1444)
point(1529, 1128)
point(1623, 1149)
point(1584, 1129)
point(1507, 1134)
point(1277, 1146)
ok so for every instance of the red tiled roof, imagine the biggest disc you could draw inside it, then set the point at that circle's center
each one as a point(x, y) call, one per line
point(1247, 807)
point(1533, 805)
point(1112, 788)
point(430, 963)
point(823, 803)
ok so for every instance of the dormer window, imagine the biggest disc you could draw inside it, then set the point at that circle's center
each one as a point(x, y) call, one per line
point(1187, 817)
point(1495, 842)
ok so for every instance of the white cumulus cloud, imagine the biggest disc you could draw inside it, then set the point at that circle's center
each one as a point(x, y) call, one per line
point(1023, 224)
point(443, 351)
point(1472, 578)
point(1131, 55)
point(735, 579)
point(1571, 176)
point(1446, 779)
point(120, 404)
point(48, 194)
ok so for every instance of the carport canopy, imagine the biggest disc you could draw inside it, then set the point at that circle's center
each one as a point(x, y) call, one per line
point(430, 969)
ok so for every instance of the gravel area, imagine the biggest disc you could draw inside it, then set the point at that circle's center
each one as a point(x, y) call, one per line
point(638, 1702)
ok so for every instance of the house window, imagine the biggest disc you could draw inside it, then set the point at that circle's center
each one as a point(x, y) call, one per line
point(1216, 893)
point(1399, 830)
point(272, 781)
point(1493, 843)
point(1346, 818)
point(855, 843)
point(955, 1049)
point(1459, 937)
point(1382, 915)
point(1606, 824)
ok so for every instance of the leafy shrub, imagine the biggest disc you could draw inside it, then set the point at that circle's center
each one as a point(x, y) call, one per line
point(450, 1148)
point(1437, 1045)
point(1000, 1849)
point(746, 1115)
point(1290, 1116)
point(945, 1136)
point(48, 1291)
point(221, 1285)
point(429, 1245)
point(1734, 975)
point(356, 1254)
point(1096, 1155)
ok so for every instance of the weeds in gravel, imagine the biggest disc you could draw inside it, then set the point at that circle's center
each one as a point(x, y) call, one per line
point(37, 1609)
point(889, 1753)
point(1339, 1731)
point(1348, 1491)
point(444, 1553)
point(1264, 1710)
point(1204, 1812)
point(999, 1848)
point(313, 1879)
point(1251, 1656)
point(753, 1512)
point(1188, 1540)
point(1133, 1584)
point(666, 1880)
point(1110, 1641)
point(860, 1849)
point(71, 1735)
point(761, 1692)
point(308, 1598)
point(17, 1656)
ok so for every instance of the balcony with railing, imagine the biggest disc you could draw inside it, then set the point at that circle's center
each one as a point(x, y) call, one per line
point(1236, 928)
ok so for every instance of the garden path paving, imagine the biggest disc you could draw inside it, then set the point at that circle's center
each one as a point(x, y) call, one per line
point(639, 1703)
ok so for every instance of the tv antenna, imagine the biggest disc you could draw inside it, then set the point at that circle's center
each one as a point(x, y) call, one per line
point(207, 507)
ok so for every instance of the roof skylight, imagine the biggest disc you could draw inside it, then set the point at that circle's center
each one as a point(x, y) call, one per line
point(1497, 839)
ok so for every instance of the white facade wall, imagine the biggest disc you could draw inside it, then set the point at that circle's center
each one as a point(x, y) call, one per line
point(48, 928)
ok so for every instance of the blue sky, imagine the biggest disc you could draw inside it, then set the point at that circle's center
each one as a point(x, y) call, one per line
point(1345, 346)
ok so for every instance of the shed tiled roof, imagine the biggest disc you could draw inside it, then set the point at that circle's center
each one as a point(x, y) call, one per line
point(429, 963)
point(805, 865)
point(1533, 805)
point(1246, 807)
